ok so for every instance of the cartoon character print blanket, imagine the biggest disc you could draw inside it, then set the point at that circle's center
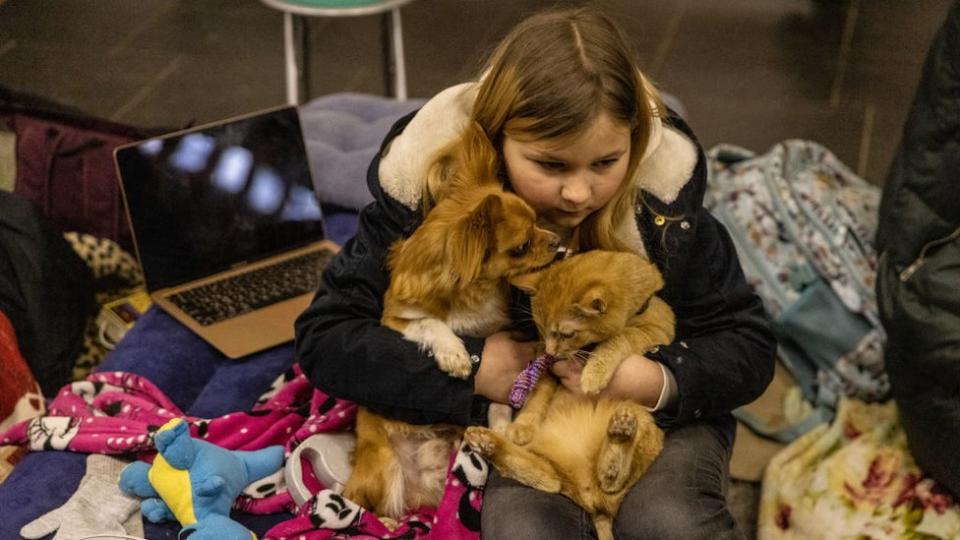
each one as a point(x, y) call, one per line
point(118, 413)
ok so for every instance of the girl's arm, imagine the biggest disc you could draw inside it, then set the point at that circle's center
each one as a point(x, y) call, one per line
point(724, 351)
point(344, 350)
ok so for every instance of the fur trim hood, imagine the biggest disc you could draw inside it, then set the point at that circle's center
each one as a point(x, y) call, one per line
point(664, 170)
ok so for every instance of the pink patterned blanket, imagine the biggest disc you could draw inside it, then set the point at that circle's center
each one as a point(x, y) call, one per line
point(118, 412)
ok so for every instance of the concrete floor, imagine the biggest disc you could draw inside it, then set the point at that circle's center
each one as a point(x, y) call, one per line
point(749, 72)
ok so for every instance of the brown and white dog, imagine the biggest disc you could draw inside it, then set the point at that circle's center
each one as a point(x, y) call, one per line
point(448, 278)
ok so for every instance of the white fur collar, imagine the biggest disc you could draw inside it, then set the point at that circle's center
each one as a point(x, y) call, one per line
point(666, 166)
point(404, 169)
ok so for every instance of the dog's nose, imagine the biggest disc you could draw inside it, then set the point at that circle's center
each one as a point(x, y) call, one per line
point(554, 243)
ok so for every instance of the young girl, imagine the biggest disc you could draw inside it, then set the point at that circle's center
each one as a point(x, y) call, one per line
point(574, 129)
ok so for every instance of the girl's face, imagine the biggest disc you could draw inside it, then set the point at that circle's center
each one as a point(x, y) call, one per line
point(566, 182)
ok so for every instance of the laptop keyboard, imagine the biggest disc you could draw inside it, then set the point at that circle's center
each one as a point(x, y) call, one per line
point(243, 293)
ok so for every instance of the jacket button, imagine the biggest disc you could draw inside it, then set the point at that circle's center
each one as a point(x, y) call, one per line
point(475, 358)
point(684, 224)
point(659, 220)
point(697, 413)
point(679, 359)
point(684, 345)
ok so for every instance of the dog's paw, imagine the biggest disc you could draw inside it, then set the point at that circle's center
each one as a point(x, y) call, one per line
point(481, 440)
point(454, 361)
point(520, 434)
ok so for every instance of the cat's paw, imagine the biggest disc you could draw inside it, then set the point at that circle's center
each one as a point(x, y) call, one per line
point(520, 434)
point(481, 440)
point(623, 425)
point(594, 378)
point(613, 467)
point(614, 463)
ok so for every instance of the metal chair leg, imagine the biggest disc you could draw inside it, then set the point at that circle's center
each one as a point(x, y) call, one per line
point(290, 57)
point(400, 68)
point(295, 48)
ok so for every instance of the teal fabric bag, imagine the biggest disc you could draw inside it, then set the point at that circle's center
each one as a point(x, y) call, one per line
point(803, 225)
point(814, 333)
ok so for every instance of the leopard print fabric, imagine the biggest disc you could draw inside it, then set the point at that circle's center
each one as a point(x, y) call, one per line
point(116, 274)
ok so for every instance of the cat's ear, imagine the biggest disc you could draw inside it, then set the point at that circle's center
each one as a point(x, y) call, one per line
point(592, 303)
point(528, 283)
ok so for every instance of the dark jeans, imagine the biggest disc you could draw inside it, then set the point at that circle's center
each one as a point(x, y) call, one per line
point(682, 496)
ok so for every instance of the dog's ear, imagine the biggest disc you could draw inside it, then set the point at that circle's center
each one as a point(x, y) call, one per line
point(470, 240)
point(528, 283)
point(592, 303)
point(487, 214)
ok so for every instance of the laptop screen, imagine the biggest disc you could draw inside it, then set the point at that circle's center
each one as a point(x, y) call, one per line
point(214, 197)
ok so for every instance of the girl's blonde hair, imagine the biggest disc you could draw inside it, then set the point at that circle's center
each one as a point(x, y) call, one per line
point(549, 79)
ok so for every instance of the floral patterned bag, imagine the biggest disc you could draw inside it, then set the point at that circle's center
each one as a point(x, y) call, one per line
point(854, 479)
point(803, 225)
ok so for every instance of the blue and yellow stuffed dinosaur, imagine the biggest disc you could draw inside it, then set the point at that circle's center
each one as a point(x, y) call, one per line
point(196, 482)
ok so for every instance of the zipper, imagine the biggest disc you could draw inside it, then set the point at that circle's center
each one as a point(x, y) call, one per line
point(907, 272)
point(836, 240)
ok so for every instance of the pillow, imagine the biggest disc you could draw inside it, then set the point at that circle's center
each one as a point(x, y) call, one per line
point(343, 133)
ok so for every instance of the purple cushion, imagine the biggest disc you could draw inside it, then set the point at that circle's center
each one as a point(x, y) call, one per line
point(343, 132)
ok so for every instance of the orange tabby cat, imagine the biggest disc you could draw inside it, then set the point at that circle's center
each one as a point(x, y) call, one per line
point(591, 450)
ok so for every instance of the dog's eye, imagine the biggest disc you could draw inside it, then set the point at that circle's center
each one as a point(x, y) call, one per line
point(520, 250)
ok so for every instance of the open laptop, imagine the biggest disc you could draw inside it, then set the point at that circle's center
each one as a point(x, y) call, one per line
point(227, 227)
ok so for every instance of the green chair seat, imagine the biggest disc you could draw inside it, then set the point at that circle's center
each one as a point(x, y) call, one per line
point(334, 8)
point(333, 3)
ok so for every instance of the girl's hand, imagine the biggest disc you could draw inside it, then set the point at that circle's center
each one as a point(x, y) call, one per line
point(569, 371)
point(503, 359)
point(637, 378)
